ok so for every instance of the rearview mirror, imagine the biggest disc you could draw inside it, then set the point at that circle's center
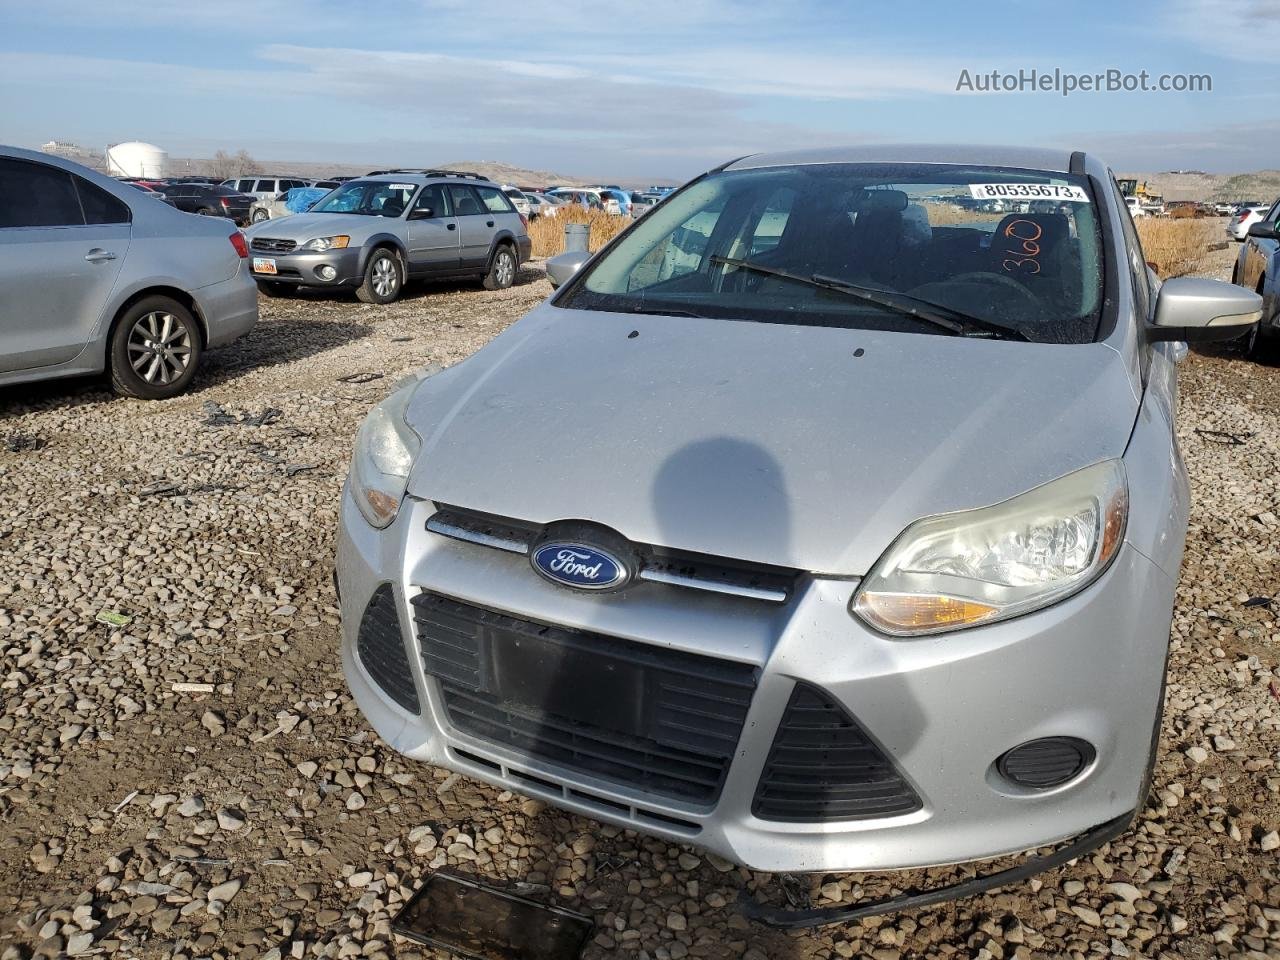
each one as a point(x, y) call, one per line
point(1264, 231)
point(1196, 310)
point(560, 269)
point(421, 213)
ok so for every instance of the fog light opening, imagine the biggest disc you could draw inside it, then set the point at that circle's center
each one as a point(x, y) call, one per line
point(1045, 763)
point(326, 272)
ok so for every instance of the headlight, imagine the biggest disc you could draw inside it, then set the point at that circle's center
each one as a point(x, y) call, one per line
point(979, 566)
point(385, 450)
point(321, 244)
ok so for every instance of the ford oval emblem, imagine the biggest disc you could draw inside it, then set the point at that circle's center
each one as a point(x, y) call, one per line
point(578, 565)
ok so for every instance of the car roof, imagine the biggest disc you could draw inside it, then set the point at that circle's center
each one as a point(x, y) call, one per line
point(1029, 158)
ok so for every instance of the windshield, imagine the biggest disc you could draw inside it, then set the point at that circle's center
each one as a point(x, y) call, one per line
point(1013, 248)
point(374, 198)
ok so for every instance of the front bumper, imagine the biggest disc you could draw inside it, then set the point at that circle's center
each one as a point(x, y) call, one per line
point(944, 707)
point(300, 268)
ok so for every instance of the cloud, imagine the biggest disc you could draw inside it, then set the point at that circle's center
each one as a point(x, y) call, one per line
point(1247, 30)
point(429, 104)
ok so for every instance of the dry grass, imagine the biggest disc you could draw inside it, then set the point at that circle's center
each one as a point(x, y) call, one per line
point(547, 233)
point(1175, 247)
point(948, 214)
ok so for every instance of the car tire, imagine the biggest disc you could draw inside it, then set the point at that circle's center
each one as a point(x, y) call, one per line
point(207, 212)
point(276, 290)
point(259, 216)
point(502, 270)
point(383, 277)
point(155, 349)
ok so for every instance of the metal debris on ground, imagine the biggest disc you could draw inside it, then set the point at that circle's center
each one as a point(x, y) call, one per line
point(1259, 602)
point(23, 442)
point(1224, 437)
point(159, 488)
point(180, 687)
point(217, 416)
point(361, 377)
point(796, 891)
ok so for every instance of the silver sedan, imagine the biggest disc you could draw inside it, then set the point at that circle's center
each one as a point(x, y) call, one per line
point(96, 276)
point(822, 520)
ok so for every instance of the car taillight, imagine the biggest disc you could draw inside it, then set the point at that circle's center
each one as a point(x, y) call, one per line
point(523, 219)
point(224, 201)
point(237, 241)
point(1242, 217)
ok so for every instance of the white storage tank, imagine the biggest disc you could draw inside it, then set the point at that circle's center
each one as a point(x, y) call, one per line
point(136, 159)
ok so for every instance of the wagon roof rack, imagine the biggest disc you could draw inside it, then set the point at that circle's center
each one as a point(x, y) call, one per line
point(430, 173)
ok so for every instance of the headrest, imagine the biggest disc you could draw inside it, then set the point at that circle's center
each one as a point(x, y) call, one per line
point(881, 200)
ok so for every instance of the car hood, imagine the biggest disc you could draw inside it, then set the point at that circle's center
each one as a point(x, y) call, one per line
point(307, 226)
point(804, 447)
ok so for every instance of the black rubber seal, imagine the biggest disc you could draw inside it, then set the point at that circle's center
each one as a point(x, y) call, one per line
point(786, 919)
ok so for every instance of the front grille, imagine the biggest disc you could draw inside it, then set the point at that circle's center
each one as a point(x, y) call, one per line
point(381, 648)
point(823, 767)
point(656, 564)
point(272, 245)
point(659, 721)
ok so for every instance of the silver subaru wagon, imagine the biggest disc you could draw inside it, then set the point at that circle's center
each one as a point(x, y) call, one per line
point(827, 519)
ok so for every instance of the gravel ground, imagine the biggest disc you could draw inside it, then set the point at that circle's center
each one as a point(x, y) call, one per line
point(196, 782)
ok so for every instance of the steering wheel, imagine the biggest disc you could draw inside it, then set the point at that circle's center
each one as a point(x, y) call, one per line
point(998, 280)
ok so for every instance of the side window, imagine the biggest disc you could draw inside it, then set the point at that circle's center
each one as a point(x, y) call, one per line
point(266, 186)
point(245, 186)
point(494, 200)
point(1273, 214)
point(1136, 261)
point(465, 203)
point(34, 195)
point(433, 197)
point(100, 206)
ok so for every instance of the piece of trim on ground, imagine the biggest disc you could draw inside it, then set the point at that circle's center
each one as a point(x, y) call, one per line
point(784, 918)
point(477, 921)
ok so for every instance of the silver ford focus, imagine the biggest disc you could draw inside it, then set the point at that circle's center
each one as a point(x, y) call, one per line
point(827, 519)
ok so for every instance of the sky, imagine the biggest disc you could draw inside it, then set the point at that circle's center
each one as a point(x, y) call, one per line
point(659, 89)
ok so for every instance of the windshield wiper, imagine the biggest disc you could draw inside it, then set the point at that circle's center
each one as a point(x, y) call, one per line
point(957, 323)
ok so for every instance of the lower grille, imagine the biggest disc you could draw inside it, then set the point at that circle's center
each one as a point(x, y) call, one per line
point(823, 767)
point(381, 648)
point(660, 721)
point(272, 245)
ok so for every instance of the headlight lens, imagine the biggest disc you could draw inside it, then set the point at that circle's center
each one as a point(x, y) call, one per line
point(384, 453)
point(321, 244)
point(984, 565)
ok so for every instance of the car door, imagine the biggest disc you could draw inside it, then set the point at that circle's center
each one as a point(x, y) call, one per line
point(1258, 252)
point(63, 242)
point(475, 226)
point(432, 232)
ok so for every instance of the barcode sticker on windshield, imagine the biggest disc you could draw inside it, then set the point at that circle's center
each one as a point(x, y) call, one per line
point(402, 186)
point(1065, 192)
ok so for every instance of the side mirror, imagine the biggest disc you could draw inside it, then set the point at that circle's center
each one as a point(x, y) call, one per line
point(421, 213)
point(1197, 310)
point(1264, 231)
point(560, 269)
